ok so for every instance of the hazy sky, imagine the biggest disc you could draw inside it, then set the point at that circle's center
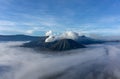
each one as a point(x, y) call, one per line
point(35, 17)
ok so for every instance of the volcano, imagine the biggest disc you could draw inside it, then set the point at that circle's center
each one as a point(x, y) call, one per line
point(59, 45)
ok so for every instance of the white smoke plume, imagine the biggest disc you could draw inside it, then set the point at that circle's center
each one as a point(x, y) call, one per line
point(66, 35)
point(70, 35)
point(51, 39)
point(49, 33)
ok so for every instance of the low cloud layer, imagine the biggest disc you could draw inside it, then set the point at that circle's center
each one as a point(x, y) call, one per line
point(94, 62)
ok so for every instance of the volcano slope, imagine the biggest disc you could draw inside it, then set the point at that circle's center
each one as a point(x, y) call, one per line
point(59, 45)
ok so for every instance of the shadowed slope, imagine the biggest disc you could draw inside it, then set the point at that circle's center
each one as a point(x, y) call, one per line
point(66, 44)
point(87, 40)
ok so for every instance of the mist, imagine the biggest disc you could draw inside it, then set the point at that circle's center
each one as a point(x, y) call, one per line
point(100, 61)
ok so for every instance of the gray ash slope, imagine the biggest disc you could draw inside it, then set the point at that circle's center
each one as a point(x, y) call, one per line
point(66, 44)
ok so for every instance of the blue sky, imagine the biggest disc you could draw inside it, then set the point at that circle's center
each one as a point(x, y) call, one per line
point(35, 17)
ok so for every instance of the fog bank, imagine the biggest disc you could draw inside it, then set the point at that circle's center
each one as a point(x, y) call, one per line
point(94, 62)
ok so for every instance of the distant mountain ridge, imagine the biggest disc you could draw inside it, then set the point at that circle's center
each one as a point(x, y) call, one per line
point(87, 40)
point(18, 38)
point(58, 45)
point(81, 39)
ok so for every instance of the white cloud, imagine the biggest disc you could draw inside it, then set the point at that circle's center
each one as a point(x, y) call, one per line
point(30, 32)
point(23, 63)
point(9, 28)
point(5, 22)
point(42, 20)
point(109, 19)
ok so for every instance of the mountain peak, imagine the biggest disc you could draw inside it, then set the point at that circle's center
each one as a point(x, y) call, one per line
point(66, 44)
point(59, 45)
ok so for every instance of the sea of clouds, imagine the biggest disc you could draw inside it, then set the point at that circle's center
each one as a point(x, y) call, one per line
point(101, 61)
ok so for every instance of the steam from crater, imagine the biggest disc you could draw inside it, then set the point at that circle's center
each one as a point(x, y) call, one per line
point(50, 39)
point(49, 33)
point(70, 35)
point(65, 35)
